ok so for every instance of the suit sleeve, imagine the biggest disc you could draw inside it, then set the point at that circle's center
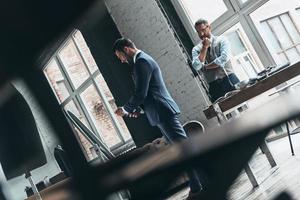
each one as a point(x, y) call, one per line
point(143, 76)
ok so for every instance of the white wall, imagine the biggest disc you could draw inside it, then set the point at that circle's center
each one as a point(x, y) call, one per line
point(14, 189)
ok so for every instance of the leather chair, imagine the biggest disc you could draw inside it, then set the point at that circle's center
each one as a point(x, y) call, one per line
point(193, 127)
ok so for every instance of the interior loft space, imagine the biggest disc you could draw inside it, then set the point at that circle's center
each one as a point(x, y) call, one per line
point(150, 100)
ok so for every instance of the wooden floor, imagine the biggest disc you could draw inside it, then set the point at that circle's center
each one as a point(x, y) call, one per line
point(284, 177)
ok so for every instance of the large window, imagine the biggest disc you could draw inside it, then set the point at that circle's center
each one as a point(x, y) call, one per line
point(278, 23)
point(284, 37)
point(246, 63)
point(80, 88)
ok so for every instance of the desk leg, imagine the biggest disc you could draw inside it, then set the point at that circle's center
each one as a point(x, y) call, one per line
point(33, 186)
point(220, 115)
point(222, 119)
point(290, 139)
point(251, 176)
point(264, 147)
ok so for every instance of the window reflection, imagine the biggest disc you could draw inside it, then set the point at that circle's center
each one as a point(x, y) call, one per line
point(103, 86)
point(84, 49)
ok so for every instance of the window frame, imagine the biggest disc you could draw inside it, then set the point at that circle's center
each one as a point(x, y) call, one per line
point(275, 34)
point(246, 53)
point(74, 94)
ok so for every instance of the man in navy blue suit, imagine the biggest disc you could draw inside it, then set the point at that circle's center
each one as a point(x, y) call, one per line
point(152, 96)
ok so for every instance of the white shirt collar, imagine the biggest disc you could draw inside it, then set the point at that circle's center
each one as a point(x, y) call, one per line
point(135, 55)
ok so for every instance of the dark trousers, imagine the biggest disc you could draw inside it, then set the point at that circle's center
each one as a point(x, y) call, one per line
point(220, 87)
point(173, 131)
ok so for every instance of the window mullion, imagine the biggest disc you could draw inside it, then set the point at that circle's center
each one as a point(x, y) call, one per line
point(227, 20)
point(287, 58)
point(257, 41)
point(286, 30)
point(88, 117)
point(251, 6)
point(85, 85)
point(188, 24)
point(80, 53)
point(229, 4)
point(235, 5)
point(110, 112)
point(219, 27)
point(251, 31)
point(275, 34)
point(63, 69)
point(77, 100)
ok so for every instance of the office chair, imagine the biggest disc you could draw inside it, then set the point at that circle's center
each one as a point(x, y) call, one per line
point(193, 127)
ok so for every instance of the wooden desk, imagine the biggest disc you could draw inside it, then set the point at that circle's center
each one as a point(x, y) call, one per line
point(261, 86)
point(58, 191)
point(248, 93)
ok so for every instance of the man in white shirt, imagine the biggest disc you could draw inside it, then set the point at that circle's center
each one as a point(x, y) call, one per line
point(212, 58)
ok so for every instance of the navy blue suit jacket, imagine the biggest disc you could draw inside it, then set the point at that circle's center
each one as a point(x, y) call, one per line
point(150, 91)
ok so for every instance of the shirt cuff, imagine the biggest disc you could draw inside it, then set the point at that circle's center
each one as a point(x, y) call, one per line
point(219, 63)
point(139, 110)
point(124, 111)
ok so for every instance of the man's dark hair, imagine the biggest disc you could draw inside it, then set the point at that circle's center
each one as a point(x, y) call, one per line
point(200, 21)
point(121, 43)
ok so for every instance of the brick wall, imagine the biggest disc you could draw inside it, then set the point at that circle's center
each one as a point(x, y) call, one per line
point(143, 22)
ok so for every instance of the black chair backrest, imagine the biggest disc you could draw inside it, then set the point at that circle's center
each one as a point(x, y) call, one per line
point(21, 149)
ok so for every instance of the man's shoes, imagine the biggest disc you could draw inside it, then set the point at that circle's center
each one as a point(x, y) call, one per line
point(194, 196)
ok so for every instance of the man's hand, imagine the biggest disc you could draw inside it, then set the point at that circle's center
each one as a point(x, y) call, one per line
point(205, 45)
point(211, 66)
point(134, 114)
point(120, 111)
point(206, 42)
